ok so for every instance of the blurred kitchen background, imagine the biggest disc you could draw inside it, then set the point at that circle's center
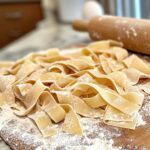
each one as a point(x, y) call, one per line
point(33, 25)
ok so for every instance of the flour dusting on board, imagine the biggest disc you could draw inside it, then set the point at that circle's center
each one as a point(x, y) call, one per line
point(146, 107)
point(139, 119)
point(19, 131)
point(95, 137)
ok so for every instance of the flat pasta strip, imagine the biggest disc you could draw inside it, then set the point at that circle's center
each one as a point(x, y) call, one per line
point(104, 63)
point(8, 96)
point(114, 65)
point(32, 98)
point(83, 78)
point(46, 61)
point(79, 106)
point(109, 80)
point(79, 63)
point(20, 90)
point(112, 98)
point(5, 67)
point(60, 112)
point(34, 76)
point(6, 64)
point(122, 124)
point(1, 100)
point(135, 75)
point(25, 69)
point(15, 67)
point(55, 112)
point(59, 69)
point(135, 62)
point(119, 53)
point(89, 52)
point(71, 123)
point(5, 81)
point(60, 79)
point(134, 97)
point(120, 79)
point(112, 114)
point(104, 45)
point(95, 101)
point(42, 121)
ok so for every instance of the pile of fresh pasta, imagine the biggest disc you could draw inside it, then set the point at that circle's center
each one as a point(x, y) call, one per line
point(59, 88)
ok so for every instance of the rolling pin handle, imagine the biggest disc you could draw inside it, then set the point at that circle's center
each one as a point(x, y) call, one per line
point(80, 25)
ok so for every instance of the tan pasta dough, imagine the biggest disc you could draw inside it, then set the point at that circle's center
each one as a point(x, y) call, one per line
point(96, 81)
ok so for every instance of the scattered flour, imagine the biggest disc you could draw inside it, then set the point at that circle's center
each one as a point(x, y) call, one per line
point(5, 116)
point(139, 119)
point(133, 31)
point(146, 107)
point(128, 33)
point(96, 35)
point(95, 138)
point(19, 131)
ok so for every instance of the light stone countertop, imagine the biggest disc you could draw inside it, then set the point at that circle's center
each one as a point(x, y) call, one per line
point(47, 35)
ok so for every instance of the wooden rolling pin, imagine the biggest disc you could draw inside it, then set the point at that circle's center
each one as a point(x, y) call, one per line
point(133, 33)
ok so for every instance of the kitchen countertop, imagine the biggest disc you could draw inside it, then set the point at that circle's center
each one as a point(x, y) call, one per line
point(48, 34)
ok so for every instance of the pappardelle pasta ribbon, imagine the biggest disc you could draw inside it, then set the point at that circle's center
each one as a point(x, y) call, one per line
point(59, 88)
